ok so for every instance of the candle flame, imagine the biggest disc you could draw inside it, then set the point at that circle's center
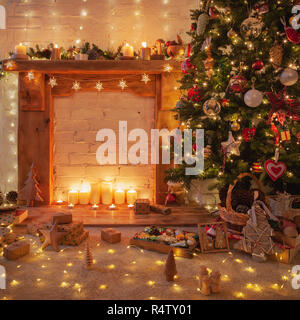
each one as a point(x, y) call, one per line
point(144, 44)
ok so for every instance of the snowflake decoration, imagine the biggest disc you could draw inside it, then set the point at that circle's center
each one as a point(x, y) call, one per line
point(145, 78)
point(167, 68)
point(9, 64)
point(76, 85)
point(52, 82)
point(30, 75)
point(123, 84)
point(99, 86)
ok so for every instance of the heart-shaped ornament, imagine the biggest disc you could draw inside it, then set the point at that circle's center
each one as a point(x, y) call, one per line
point(275, 169)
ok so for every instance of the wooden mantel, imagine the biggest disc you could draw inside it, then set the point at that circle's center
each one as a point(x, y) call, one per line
point(36, 116)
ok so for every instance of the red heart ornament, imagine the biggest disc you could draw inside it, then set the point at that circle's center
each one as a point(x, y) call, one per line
point(248, 134)
point(275, 169)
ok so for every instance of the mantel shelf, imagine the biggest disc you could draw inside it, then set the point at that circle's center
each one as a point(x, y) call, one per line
point(91, 67)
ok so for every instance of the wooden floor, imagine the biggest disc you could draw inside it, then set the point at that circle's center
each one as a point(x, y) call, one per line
point(180, 216)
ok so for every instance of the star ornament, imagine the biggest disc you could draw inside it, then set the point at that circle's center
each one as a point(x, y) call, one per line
point(99, 86)
point(231, 147)
point(123, 84)
point(167, 68)
point(145, 78)
point(30, 76)
point(52, 82)
point(52, 237)
point(76, 86)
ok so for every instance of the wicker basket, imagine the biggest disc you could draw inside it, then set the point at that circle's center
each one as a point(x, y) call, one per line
point(292, 212)
point(235, 220)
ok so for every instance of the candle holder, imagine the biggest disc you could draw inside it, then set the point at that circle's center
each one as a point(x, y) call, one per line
point(112, 207)
point(95, 207)
point(20, 57)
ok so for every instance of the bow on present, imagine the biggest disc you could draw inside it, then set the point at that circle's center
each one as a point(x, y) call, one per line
point(282, 107)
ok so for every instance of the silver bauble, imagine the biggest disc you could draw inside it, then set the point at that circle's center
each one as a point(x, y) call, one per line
point(251, 28)
point(253, 98)
point(211, 107)
point(289, 77)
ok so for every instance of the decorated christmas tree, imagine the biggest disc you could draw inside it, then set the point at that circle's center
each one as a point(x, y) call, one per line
point(240, 85)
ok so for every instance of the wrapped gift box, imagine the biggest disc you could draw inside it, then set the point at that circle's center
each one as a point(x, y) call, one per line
point(142, 206)
point(62, 218)
point(16, 250)
point(111, 235)
point(74, 240)
point(6, 219)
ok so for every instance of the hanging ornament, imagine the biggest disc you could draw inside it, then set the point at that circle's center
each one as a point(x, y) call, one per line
point(251, 28)
point(275, 169)
point(231, 34)
point(202, 23)
point(292, 35)
point(276, 134)
point(298, 136)
point(145, 78)
point(76, 86)
point(257, 167)
point(212, 13)
point(99, 86)
point(179, 104)
point(194, 26)
point(123, 84)
point(211, 107)
point(209, 64)
point(52, 82)
point(289, 77)
point(225, 103)
point(276, 55)
point(231, 146)
point(195, 94)
point(285, 134)
point(235, 126)
point(30, 76)
point(248, 134)
point(253, 98)
point(262, 7)
point(186, 65)
point(238, 84)
point(257, 65)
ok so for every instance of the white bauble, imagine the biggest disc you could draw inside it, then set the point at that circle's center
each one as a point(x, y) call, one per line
point(289, 77)
point(253, 98)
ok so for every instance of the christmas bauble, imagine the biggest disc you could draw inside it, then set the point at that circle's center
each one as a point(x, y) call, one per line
point(186, 65)
point(235, 126)
point(225, 103)
point(248, 134)
point(253, 98)
point(179, 104)
point(211, 107)
point(251, 28)
point(257, 167)
point(238, 84)
point(195, 94)
point(212, 13)
point(289, 77)
point(257, 65)
point(231, 34)
point(193, 26)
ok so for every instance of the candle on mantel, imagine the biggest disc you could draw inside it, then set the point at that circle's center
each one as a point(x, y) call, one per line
point(60, 202)
point(131, 196)
point(106, 192)
point(71, 206)
point(84, 196)
point(95, 193)
point(145, 52)
point(127, 50)
point(55, 55)
point(95, 207)
point(20, 50)
point(119, 196)
point(112, 207)
point(73, 197)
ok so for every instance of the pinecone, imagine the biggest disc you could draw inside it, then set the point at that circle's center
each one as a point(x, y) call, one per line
point(12, 197)
point(276, 54)
point(241, 197)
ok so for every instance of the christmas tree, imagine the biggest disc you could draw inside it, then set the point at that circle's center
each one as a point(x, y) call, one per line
point(240, 85)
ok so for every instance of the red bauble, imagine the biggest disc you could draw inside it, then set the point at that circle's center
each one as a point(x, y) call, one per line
point(212, 13)
point(238, 84)
point(257, 65)
point(225, 103)
point(195, 94)
point(193, 26)
point(298, 136)
point(292, 35)
point(186, 65)
point(248, 134)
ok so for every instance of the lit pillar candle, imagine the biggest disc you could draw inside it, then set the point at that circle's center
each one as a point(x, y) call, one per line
point(127, 50)
point(84, 195)
point(106, 193)
point(145, 52)
point(95, 193)
point(131, 196)
point(73, 197)
point(119, 196)
point(20, 50)
point(55, 55)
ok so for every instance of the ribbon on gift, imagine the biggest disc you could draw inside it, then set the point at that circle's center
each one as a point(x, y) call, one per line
point(264, 207)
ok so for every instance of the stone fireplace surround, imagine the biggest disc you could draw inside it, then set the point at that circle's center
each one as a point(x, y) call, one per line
point(38, 132)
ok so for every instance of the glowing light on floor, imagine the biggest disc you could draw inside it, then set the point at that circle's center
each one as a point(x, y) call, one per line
point(102, 286)
point(151, 283)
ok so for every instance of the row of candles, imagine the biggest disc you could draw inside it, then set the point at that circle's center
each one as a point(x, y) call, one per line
point(93, 193)
point(127, 51)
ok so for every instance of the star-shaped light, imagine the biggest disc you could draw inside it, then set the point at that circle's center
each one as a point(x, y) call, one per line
point(123, 84)
point(52, 82)
point(167, 68)
point(99, 86)
point(9, 64)
point(231, 146)
point(30, 75)
point(145, 78)
point(76, 86)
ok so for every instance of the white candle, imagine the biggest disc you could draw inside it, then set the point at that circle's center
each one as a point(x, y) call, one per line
point(127, 50)
point(106, 192)
point(95, 193)
point(131, 196)
point(119, 196)
point(55, 55)
point(73, 197)
point(20, 49)
point(84, 194)
point(145, 52)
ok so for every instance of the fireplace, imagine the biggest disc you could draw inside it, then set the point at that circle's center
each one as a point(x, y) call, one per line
point(58, 126)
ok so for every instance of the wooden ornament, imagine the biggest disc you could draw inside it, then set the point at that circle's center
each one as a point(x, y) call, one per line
point(170, 267)
point(88, 256)
point(220, 241)
point(52, 237)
